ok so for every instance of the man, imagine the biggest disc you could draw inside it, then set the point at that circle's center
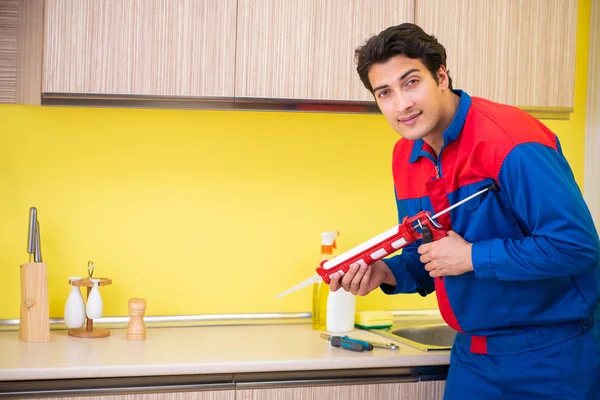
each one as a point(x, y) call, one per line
point(518, 273)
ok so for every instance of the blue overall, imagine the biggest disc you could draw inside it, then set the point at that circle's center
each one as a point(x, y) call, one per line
point(527, 316)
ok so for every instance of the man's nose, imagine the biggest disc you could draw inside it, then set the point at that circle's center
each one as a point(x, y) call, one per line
point(403, 102)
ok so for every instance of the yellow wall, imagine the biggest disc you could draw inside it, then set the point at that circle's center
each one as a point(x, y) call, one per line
point(203, 212)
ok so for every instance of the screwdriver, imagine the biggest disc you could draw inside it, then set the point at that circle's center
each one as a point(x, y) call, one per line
point(365, 345)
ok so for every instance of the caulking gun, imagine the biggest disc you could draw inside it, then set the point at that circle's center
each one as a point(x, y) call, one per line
point(420, 226)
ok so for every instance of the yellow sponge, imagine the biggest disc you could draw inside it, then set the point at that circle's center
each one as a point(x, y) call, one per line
point(373, 319)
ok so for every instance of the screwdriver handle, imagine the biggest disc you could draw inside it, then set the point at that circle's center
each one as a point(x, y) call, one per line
point(338, 341)
point(366, 345)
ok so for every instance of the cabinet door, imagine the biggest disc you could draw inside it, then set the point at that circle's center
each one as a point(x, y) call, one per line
point(431, 390)
point(519, 52)
point(140, 47)
point(8, 50)
point(304, 49)
point(382, 391)
point(208, 395)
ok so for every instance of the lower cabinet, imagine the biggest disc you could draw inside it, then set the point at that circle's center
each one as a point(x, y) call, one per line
point(431, 390)
point(364, 384)
point(203, 395)
point(424, 390)
point(384, 391)
point(428, 390)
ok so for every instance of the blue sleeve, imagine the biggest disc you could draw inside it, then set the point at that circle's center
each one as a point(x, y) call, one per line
point(559, 237)
point(409, 271)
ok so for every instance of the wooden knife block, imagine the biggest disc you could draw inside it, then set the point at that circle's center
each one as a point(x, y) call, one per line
point(34, 324)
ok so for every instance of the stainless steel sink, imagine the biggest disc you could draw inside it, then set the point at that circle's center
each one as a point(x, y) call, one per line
point(426, 336)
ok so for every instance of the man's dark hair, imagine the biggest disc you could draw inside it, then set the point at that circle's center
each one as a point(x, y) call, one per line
point(405, 39)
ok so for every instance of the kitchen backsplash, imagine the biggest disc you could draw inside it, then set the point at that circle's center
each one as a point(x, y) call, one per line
point(198, 212)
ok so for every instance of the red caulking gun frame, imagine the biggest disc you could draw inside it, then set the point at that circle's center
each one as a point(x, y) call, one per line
point(420, 226)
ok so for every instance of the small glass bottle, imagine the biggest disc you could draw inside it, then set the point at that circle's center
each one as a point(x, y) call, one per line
point(321, 289)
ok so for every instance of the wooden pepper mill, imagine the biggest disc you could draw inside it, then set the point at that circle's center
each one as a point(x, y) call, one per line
point(136, 329)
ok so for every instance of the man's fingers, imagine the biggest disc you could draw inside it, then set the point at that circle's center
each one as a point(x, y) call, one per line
point(424, 248)
point(364, 288)
point(348, 277)
point(425, 258)
point(431, 268)
point(334, 283)
point(437, 272)
point(358, 277)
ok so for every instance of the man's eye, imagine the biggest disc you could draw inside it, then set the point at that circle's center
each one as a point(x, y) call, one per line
point(383, 93)
point(412, 82)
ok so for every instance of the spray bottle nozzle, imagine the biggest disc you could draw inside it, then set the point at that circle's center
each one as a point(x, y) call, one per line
point(328, 242)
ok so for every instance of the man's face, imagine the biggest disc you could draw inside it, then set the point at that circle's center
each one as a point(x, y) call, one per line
point(408, 96)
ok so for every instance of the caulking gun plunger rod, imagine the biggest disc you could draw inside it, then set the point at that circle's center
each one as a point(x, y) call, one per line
point(436, 216)
point(461, 202)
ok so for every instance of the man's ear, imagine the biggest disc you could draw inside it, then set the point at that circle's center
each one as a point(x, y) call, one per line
point(442, 75)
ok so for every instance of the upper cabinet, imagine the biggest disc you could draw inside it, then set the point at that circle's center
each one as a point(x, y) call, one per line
point(142, 48)
point(8, 50)
point(21, 38)
point(304, 49)
point(519, 52)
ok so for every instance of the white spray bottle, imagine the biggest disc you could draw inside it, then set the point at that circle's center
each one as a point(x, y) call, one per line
point(341, 310)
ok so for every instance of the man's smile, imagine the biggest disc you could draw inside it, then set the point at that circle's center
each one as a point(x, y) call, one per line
point(411, 119)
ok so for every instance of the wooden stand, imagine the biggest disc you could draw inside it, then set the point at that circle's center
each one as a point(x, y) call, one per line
point(88, 332)
point(34, 323)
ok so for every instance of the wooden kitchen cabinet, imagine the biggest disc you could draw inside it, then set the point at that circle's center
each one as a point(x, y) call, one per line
point(431, 390)
point(519, 52)
point(9, 10)
point(381, 391)
point(304, 49)
point(140, 48)
point(205, 395)
point(21, 51)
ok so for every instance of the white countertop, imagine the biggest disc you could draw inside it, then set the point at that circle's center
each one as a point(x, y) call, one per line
point(196, 350)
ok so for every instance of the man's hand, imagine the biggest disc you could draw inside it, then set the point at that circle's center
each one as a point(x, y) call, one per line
point(363, 279)
point(450, 255)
